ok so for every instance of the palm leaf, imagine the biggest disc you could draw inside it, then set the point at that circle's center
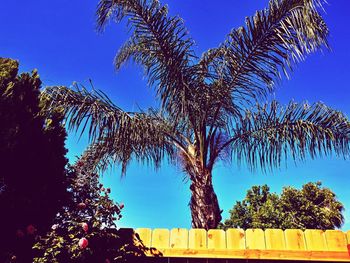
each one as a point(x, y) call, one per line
point(269, 134)
point(160, 43)
point(116, 135)
point(249, 62)
point(151, 149)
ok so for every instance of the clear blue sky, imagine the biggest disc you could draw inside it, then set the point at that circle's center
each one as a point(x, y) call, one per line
point(58, 38)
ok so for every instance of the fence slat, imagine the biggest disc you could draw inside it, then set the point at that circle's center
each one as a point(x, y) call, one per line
point(315, 240)
point(274, 239)
point(255, 239)
point(216, 239)
point(179, 238)
point(197, 239)
point(145, 235)
point(294, 239)
point(160, 238)
point(336, 240)
point(235, 238)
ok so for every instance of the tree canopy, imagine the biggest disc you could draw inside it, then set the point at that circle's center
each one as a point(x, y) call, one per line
point(312, 207)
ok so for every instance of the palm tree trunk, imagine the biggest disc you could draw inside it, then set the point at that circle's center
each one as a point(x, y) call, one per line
point(204, 204)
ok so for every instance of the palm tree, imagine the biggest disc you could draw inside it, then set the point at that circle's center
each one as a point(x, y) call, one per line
point(209, 106)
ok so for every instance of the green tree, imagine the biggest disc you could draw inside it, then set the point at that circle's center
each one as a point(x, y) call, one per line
point(312, 207)
point(32, 160)
point(209, 106)
point(260, 209)
point(85, 229)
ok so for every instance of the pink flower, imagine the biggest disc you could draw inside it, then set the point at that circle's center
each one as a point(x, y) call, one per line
point(30, 230)
point(121, 205)
point(54, 227)
point(83, 243)
point(85, 227)
point(19, 233)
point(81, 205)
point(79, 164)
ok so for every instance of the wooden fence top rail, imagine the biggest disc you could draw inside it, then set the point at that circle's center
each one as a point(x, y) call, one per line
point(271, 244)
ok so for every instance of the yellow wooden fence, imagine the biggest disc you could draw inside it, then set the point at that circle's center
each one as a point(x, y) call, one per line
point(271, 244)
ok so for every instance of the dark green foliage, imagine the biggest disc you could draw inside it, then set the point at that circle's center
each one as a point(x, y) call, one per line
point(312, 207)
point(32, 160)
point(90, 204)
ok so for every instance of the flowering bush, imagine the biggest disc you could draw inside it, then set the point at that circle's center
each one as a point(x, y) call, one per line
point(85, 230)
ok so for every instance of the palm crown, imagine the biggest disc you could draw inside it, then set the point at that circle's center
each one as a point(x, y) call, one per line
point(209, 105)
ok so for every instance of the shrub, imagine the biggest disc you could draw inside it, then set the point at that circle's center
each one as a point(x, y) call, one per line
point(85, 230)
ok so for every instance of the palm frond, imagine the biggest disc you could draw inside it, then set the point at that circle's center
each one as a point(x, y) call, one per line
point(273, 40)
point(92, 110)
point(129, 50)
point(159, 42)
point(150, 149)
point(271, 133)
point(116, 135)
